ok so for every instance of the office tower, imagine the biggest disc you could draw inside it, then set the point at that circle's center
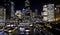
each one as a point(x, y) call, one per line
point(27, 13)
point(9, 5)
point(45, 13)
point(48, 14)
point(12, 9)
point(2, 15)
point(33, 17)
point(36, 12)
point(23, 14)
point(8, 8)
point(57, 13)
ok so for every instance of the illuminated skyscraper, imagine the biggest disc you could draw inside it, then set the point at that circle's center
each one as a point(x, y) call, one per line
point(45, 13)
point(57, 13)
point(12, 9)
point(36, 13)
point(2, 15)
point(8, 8)
point(27, 13)
point(27, 4)
point(48, 14)
point(9, 5)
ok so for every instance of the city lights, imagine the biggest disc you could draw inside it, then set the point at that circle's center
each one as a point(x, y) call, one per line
point(29, 17)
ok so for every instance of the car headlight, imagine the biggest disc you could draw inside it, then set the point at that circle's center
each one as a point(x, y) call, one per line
point(10, 31)
point(27, 30)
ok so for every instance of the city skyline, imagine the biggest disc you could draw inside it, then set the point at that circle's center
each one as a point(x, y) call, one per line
point(34, 4)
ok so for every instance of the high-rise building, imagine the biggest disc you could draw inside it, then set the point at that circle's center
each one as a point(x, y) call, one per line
point(27, 13)
point(7, 5)
point(48, 14)
point(2, 15)
point(18, 14)
point(12, 9)
point(23, 14)
point(36, 12)
point(44, 13)
point(57, 13)
point(33, 16)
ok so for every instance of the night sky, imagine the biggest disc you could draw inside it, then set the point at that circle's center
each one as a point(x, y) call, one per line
point(34, 4)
